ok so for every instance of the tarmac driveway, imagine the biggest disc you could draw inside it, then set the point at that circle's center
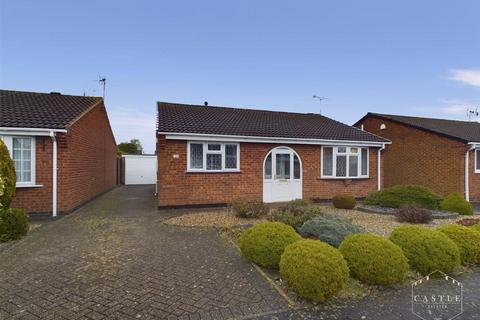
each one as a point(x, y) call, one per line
point(114, 259)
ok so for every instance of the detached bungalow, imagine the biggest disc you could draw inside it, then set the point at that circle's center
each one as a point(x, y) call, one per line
point(63, 148)
point(213, 155)
point(443, 155)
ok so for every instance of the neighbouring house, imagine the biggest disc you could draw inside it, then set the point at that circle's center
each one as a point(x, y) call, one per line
point(62, 146)
point(441, 154)
point(213, 155)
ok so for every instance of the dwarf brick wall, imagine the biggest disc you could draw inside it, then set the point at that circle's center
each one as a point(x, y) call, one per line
point(176, 187)
point(86, 165)
point(424, 158)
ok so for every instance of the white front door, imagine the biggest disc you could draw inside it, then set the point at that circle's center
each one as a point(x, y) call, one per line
point(282, 176)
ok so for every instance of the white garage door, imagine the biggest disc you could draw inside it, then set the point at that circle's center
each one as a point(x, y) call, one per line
point(140, 169)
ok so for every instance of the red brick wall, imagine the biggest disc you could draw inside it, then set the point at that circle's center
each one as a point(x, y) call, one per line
point(420, 157)
point(86, 165)
point(177, 187)
point(38, 199)
point(87, 160)
point(473, 179)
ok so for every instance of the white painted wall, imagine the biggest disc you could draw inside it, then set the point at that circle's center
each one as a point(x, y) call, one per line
point(140, 169)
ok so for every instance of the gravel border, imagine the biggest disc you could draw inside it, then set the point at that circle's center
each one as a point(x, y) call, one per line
point(211, 218)
point(437, 214)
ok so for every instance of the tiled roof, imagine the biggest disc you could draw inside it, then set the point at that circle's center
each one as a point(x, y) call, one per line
point(182, 118)
point(466, 131)
point(41, 110)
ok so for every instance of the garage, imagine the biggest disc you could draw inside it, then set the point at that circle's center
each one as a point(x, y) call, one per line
point(140, 169)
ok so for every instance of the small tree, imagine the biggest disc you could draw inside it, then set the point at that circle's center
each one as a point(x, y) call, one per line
point(8, 178)
point(132, 147)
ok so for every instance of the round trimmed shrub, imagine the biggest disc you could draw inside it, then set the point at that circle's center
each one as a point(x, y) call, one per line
point(264, 243)
point(9, 178)
point(13, 224)
point(374, 260)
point(476, 227)
point(455, 202)
point(427, 250)
point(344, 202)
point(467, 240)
point(313, 269)
point(329, 228)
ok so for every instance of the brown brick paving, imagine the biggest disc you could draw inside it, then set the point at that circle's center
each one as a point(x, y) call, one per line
point(114, 259)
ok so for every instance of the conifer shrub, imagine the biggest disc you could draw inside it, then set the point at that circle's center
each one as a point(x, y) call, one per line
point(427, 250)
point(313, 269)
point(374, 260)
point(264, 243)
point(467, 240)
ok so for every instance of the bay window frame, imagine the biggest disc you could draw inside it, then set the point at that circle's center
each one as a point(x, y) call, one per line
point(205, 151)
point(347, 154)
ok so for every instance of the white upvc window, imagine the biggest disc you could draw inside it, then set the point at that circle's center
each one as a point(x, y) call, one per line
point(344, 162)
point(213, 156)
point(477, 160)
point(22, 152)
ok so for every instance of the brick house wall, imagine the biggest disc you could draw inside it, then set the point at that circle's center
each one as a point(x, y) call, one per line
point(86, 165)
point(177, 187)
point(87, 160)
point(424, 158)
point(38, 199)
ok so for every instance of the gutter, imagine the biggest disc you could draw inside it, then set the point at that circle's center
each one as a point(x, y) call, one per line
point(260, 139)
point(473, 146)
point(379, 167)
point(30, 131)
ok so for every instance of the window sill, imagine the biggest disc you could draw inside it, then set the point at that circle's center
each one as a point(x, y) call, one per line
point(214, 171)
point(29, 186)
point(343, 178)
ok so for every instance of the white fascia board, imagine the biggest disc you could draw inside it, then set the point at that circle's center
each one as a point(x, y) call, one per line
point(29, 131)
point(232, 138)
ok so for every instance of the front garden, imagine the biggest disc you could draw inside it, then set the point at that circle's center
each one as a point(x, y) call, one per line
point(318, 250)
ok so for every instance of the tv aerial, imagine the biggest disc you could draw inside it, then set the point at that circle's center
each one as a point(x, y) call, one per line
point(471, 113)
point(102, 82)
point(320, 99)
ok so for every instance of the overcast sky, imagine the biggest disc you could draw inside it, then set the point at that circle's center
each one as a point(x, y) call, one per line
point(407, 57)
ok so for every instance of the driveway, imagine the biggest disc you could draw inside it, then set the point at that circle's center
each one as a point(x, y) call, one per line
point(114, 259)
